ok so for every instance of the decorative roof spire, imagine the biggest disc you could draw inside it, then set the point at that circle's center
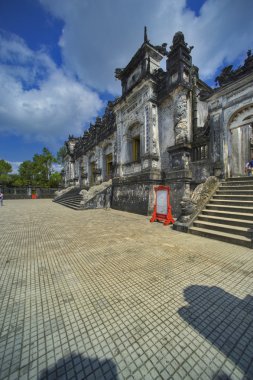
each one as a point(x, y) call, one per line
point(145, 35)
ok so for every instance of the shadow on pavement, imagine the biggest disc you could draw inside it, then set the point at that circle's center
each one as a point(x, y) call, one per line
point(76, 366)
point(221, 376)
point(225, 320)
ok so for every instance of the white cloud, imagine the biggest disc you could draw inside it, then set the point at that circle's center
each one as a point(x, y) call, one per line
point(57, 168)
point(38, 100)
point(44, 102)
point(15, 165)
point(101, 35)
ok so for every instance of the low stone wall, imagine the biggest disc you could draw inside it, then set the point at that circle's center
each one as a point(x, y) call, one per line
point(27, 192)
point(132, 198)
point(134, 194)
point(100, 200)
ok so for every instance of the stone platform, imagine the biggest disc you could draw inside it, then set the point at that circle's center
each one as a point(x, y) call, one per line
point(104, 294)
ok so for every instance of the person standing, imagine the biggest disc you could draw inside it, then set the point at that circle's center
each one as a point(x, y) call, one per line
point(1, 198)
point(247, 170)
point(250, 168)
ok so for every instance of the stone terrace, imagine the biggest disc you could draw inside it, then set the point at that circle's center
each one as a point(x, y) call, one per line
point(104, 294)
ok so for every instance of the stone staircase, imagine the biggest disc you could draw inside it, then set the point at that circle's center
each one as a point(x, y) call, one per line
point(98, 196)
point(229, 214)
point(71, 199)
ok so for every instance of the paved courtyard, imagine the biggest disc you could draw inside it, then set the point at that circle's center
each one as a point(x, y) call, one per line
point(103, 294)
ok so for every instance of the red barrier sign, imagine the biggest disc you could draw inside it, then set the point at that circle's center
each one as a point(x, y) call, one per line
point(162, 208)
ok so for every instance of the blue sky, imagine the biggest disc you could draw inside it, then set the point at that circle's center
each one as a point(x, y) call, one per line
point(57, 58)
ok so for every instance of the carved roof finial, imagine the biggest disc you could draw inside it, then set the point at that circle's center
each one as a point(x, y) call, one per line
point(178, 37)
point(145, 35)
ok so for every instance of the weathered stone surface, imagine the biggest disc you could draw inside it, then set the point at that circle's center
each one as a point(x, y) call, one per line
point(190, 206)
point(100, 199)
point(64, 191)
point(98, 196)
point(132, 198)
point(181, 123)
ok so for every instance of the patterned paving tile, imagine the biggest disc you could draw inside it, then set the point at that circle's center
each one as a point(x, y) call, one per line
point(104, 294)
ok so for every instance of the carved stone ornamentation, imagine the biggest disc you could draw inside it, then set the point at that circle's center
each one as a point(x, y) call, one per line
point(181, 128)
point(146, 129)
point(191, 205)
point(188, 207)
point(154, 131)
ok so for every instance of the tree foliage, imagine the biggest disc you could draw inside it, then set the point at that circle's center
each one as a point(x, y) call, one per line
point(5, 167)
point(55, 179)
point(62, 152)
point(39, 171)
point(43, 167)
point(27, 172)
point(36, 172)
point(5, 170)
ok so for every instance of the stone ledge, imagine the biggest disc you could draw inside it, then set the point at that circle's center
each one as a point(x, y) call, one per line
point(179, 175)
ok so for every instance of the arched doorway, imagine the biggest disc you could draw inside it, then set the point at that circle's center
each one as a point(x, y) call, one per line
point(241, 139)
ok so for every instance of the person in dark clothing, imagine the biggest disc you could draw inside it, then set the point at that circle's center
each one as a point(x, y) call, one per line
point(251, 167)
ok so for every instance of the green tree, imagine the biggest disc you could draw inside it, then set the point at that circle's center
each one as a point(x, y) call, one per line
point(43, 167)
point(16, 180)
point(55, 179)
point(5, 170)
point(5, 167)
point(27, 172)
point(38, 171)
point(61, 154)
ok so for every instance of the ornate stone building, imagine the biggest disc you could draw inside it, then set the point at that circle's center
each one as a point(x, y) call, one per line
point(167, 127)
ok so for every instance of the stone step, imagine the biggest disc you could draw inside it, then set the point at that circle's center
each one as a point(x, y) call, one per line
point(224, 202)
point(68, 196)
point(226, 220)
point(235, 230)
point(77, 197)
point(237, 183)
point(70, 193)
point(70, 201)
point(228, 197)
point(228, 214)
point(74, 201)
point(231, 191)
point(74, 207)
point(226, 237)
point(242, 178)
point(238, 187)
point(236, 209)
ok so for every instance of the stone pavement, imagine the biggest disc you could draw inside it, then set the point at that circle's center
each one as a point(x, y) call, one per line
point(103, 294)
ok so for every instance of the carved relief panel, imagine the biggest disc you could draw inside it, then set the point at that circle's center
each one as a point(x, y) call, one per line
point(181, 119)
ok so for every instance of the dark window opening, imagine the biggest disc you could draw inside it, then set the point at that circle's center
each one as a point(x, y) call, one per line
point(109, 165)
point(200, 153)
point(136, 148)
